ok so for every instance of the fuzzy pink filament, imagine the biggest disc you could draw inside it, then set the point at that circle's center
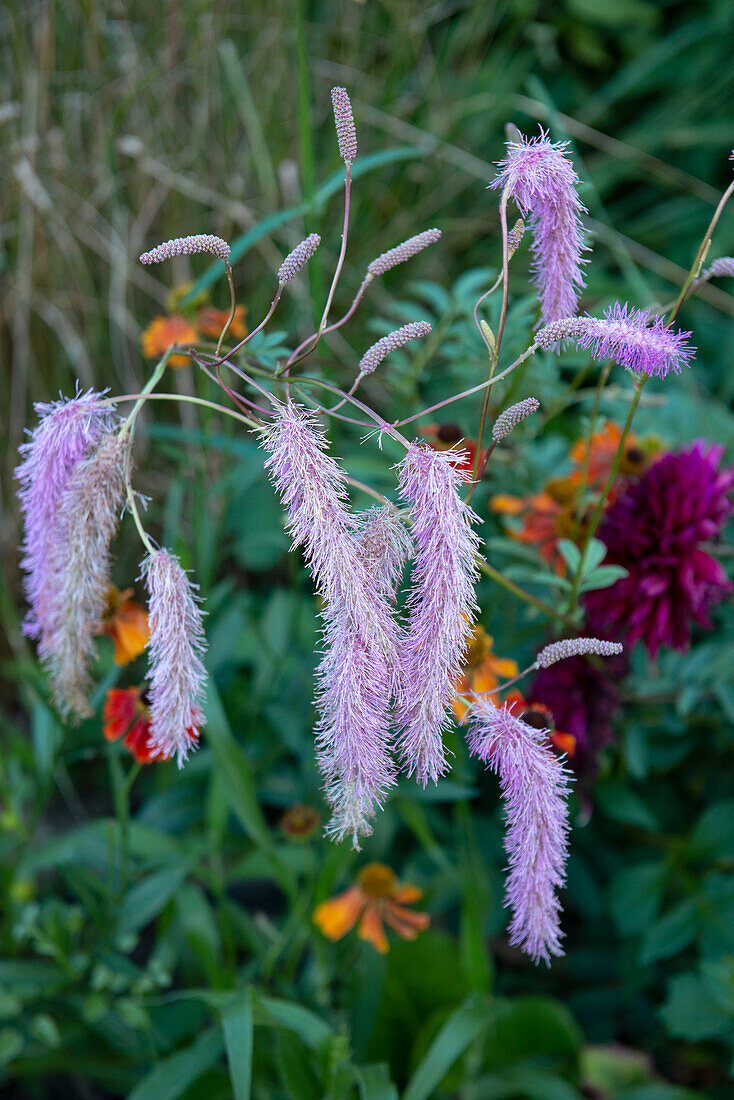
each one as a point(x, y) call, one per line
point(356, 675)
point(440, 605)
point(535, 785)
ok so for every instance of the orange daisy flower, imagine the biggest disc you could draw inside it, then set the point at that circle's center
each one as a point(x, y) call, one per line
point(377, 897)
point(539, 716)
point(126, 715)
point(126, 622)
point(164, 331)
point(546, 517)
point(604, 445)
point(482, 670)
point(211, 321)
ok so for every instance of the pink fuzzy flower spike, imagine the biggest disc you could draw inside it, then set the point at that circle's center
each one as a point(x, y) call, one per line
point(535, 786)
point(177, 644)
point(357, 673)
point(67, 431)
point(541, 179)
point(440, 605)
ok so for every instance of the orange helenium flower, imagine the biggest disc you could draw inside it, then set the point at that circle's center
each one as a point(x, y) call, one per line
point(377, 897)
point(603, 450)
point(482, 670)
point(546, 517)
point(211, 321)
point(126, 715)
point(164, 331)
point(126, 622)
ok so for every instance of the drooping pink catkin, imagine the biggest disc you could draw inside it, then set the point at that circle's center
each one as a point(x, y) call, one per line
point(541, 179)
point(385, 545)
point(176, 648)
point(79, 570)
point(356, 676)
point(535, 786)
point(68, 430)
point(440, 605)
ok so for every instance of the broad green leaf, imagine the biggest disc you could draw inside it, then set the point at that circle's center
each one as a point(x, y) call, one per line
point(146, 899)
point(374, 1083)
point(622, 804)
point(571, 555)
point(713, 833)
point(172, 1077)
point(603, 577)
point(674, 931)
point(272, 1012)
point(460, 1030)
point(238, 1024)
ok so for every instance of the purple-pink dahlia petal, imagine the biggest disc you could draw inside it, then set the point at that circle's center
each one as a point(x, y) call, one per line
point(357, 674)
point(440, 605)
point(657, 530)
point(541, 179)
point(535, 787)
point(68, 430)
point(176, 647)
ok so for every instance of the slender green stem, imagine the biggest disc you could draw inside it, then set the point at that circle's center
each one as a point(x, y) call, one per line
point(522, 594)
point(587, 454)
point(232, 306)
point(152, 382)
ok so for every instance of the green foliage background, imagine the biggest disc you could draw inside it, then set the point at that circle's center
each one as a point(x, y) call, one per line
point(171, 953)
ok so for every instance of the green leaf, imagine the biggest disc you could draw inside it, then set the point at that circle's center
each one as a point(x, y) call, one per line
point(622, 804)
point(534, 1027)
point(147, 898)
point(460, 1030)
point(692, 1013)
point(571, 555)
point(11, 1044)
point(238, 1026)
point(374, 1083)
point(672, 933)
point(603, 577)
point(713, 833)
point(271, 1012)
point(171, 1077)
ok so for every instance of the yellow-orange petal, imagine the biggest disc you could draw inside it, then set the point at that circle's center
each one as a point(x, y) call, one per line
point(504, 666)
point(372, 930)
point(406, 895)
point(566, 742)
point(129, 631)
point(459, 708)
point(164, 331)
point(211, 322)
point(483, 680)
point(337, 916)
point(507, 505)
point(406, 923)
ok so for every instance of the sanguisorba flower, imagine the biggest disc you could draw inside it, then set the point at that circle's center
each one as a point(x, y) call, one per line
point(637, 339)
point(376, 898)
point(440, 605)
point(658, 530)
point(177, 644)
point(79, 571)
point(164, 331)
point(357, 674)
point(542, 181)
point(126, 623)
point(67, 431)
point(125, 714)
point(534, 785)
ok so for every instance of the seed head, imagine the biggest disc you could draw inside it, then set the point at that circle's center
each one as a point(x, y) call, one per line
point(187, 246)
point(344, 121)
point(298, 258)
point(576, 647)
point(511, 417)
point(374, 355)
point(402, 252)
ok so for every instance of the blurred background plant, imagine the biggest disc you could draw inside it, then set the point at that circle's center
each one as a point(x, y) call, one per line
point(157, 932)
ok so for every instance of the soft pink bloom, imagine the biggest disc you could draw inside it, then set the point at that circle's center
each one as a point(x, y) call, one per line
point(535, 785)
point(356, 676)
point(440, 605)
point(177, 644)
point(542, 181)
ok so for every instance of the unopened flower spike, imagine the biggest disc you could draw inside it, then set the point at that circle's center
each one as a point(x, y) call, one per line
point(511, 417)
point(402, 252)
point(344, 122)
point(379, 351)
point(576, 647)
point(535, 786)
point(723, 267)
point(187, 246)
point(298, 258)
point(541, 179)
point(634, 338)
point(514, 237)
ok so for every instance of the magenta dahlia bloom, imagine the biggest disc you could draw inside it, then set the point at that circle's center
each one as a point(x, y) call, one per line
point(657, 531)
point(177, 644)
point(583, 700)
point(542, 181)
point(535, 786)
point(440, 605)
point(637, 339)
point(68, 430)
point(357, 673)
